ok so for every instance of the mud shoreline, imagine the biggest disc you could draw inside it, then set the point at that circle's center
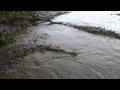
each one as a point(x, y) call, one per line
point(16, 24)
point(91, 29)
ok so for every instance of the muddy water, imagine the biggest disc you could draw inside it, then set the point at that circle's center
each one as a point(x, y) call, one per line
point(97, 56)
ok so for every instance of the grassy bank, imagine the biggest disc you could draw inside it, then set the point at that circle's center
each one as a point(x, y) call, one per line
point(8, 16)
point(15, 14)
point(6, 38)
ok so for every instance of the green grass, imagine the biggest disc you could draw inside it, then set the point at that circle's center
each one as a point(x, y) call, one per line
point(6, 38)
point(9, 15)
point(16, 14)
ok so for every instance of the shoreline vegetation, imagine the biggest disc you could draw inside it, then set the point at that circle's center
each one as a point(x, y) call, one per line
point(21, 19)
point(7, 17)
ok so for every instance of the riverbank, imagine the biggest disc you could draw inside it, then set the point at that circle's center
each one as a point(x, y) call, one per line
point(7, 17)
point(17, 21)
point(91, 29)
point(12, 24)
point(62, 50)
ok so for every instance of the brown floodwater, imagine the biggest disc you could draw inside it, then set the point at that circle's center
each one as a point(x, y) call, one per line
point(98, 57)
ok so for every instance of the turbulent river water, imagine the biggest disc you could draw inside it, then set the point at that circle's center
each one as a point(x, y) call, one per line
point(98, 57)
point(108, 19)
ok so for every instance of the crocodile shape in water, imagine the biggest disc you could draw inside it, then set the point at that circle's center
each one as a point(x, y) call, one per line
point(21, 50)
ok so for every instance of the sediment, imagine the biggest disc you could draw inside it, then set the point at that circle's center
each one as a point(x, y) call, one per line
point(91, 29)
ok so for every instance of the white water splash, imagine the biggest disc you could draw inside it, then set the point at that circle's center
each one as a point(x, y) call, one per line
point(104, 19)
